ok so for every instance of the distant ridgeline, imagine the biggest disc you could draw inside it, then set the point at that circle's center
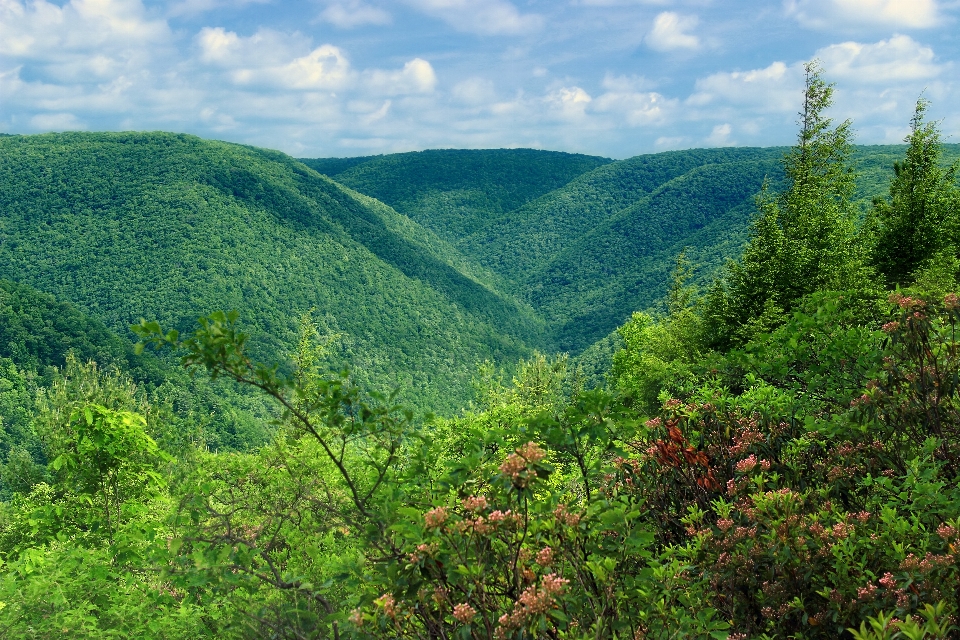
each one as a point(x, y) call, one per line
point(586, 253)
point(420, 265)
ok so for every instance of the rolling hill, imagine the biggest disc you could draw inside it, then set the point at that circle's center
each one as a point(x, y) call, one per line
point(422, 264)
point(171, 227)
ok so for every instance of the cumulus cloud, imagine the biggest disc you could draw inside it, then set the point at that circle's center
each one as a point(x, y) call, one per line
point(898, 59)
point(42, 31)
point(417, 76)
point(483, 17)
point(720, 136)
point(569, 101)
point(775, 88)
point(669, 32)
point(354, 13)
point(268, 58)
point(847, 14)
point(626, 98)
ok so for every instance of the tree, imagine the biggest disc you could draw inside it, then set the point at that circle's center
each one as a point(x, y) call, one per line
point(919, 220)
point(803, 239)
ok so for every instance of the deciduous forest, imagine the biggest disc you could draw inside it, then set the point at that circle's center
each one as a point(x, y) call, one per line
point(505, 394)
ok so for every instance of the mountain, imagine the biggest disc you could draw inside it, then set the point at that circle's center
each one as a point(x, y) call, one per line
point(588, 253)
point(419, 265)
point(453, 192)
point(170, 227)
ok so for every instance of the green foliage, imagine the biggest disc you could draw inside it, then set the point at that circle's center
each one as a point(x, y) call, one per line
point(803, 239)
point(454, 192)
point(803, 485)
point(91, 218)
point(919, 221)
point(659, 354)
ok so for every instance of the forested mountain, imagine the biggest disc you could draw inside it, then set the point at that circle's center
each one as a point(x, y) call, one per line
point(492, 254)
point(586, 254)
point(170, 226)
point(454, 192)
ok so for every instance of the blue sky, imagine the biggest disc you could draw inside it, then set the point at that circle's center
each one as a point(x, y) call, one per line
point(358, 77)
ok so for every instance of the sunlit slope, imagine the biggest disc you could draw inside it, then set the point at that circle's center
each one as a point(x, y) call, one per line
point(171, 226)
point(454, 192)
point(526, 240)
point(624, 263)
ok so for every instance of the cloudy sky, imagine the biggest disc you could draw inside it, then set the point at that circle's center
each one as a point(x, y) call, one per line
point(357, 77)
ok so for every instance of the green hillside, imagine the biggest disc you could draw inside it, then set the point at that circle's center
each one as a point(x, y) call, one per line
point(170, 227)
point(454, 192)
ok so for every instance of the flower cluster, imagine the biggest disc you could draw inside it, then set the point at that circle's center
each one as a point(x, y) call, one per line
point(464, 613)
point(517, 465)
point(435, 518)
point(475, 503)
point(535, 599)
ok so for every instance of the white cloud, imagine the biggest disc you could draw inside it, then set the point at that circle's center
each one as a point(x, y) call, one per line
point(354, 13)
point(569, 101)
point(484, 17)
point(56, 122)
point(417, 76)
point(269, 58)
point(898, 59)
point(776, 88)
point(669, 32)
point(626, 99)
point(44, 31)
point(855, 14)
point(720, 136)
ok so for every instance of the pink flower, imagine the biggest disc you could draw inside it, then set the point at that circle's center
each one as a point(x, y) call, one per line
point(747, 464)
point(475, 503)
point(950, 301)
point(389, 605)
point(464, 613)
point(545, 557)
point(436, 517)
point(724, 523)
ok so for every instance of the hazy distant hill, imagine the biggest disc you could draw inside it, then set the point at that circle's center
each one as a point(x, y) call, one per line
point(171, 226)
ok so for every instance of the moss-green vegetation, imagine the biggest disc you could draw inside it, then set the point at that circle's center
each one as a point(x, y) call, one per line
point(454, 192)
point(771, 453)
point(167, 226)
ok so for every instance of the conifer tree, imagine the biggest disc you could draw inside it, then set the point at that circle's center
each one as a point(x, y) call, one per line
point(803, 239)
point(919, 221)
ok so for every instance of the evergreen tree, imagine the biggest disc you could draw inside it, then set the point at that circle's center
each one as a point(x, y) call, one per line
point(803, 239)
point(919, 220)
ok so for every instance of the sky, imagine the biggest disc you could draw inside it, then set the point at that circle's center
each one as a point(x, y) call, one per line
point(335, 78)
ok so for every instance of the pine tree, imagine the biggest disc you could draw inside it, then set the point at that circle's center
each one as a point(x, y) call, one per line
point(803, 239)
point(919, 220)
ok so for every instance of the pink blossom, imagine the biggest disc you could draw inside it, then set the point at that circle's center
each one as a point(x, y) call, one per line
point(475, 503)
point(545, 557)
point(464, 613)
point(747, 464)
point(436, 517)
